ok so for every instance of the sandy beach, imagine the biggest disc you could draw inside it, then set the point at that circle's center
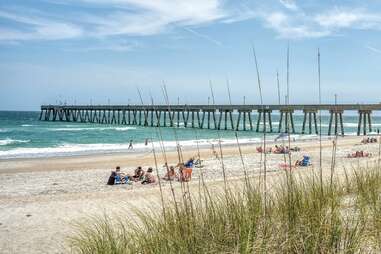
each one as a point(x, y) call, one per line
point(40, 199)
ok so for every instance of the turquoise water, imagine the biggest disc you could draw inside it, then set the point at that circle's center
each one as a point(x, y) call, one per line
point(22, 135)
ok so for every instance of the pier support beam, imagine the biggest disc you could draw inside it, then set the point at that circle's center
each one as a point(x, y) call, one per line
point(364, 116)
point(225, 114)
point(185, 117)
point(310, 114)
point(286, 120)
point(336, 116)
point(264, 116)
point(242, 114)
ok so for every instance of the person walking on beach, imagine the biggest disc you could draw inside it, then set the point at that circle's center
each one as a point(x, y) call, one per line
point(146, 142)
point(130, 146)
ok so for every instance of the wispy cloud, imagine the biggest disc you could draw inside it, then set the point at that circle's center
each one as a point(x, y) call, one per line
point(117, 46)
point(203, 36)
point(373, 49)
point(36, 28)
point(118, 17)
point(289, 4)
point(106, 18)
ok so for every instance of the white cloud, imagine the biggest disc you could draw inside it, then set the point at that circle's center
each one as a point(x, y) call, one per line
point(289, 4)
point(292, 28)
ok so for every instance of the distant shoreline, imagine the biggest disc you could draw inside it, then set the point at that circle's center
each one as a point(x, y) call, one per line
point(134, 157)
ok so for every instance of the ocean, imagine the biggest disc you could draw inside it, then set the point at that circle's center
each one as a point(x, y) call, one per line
point(22, 135)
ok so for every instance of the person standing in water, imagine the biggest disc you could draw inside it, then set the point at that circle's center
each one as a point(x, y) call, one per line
point(130, 146)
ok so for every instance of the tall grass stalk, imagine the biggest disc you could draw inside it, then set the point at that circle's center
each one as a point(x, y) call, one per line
point(219, 144)
point(161, 142)
point(264, 131)
point(154, 156)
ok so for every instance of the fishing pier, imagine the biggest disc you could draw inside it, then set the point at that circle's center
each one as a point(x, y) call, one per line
point(219, 117)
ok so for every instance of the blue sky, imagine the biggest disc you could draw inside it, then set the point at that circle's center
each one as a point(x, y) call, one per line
point(83, 51)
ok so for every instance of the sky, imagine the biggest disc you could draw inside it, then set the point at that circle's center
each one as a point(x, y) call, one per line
point(104, 51)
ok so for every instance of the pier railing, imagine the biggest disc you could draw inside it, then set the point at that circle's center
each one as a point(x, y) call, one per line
point(219, 117)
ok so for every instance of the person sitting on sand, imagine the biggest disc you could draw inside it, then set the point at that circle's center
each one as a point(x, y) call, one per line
point(184, 172)
point(118, 175)
point(281, 149)
point(359, 154)
point(260, 149)
point(149, 177)
point(304, 162)
point(121, 177)
point(138, 175)
point(117, 170)
point(369, 140)
point(171, 174)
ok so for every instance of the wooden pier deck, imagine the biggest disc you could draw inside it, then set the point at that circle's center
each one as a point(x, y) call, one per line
point(219, 117)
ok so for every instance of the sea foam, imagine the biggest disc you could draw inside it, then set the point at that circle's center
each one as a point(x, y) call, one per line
point(8, 141)
point(93, 129)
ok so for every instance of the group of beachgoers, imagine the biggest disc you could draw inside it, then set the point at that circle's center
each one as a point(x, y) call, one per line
point(369, 140)
point(184, 174)
point(359, 154)
point(278, 149)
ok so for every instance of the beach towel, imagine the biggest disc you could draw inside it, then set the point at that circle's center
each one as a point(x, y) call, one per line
point(286, 166)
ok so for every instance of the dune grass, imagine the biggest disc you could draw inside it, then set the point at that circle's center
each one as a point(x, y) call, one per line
point(300, 216)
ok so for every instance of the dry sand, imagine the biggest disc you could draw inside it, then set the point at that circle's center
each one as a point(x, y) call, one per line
point(40, 199)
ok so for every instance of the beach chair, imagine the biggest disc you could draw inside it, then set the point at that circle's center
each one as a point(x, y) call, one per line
point(306, 161)
point(189, 164)
point(198, 163)
point(186, 175)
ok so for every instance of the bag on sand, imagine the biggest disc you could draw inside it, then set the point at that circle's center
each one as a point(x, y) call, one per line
point(111, 179)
